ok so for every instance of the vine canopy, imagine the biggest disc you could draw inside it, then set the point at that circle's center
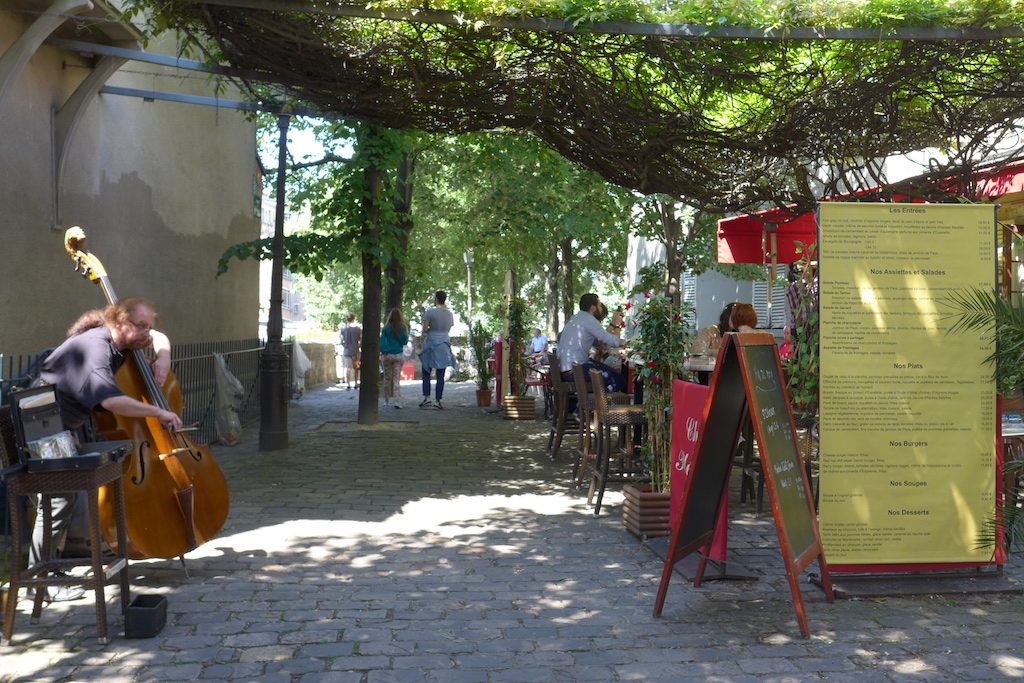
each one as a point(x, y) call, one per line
point(728, 105)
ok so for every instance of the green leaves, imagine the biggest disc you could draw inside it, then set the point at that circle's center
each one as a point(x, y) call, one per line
point(801, 367)
point(662, 342)
point(480, 343)
point(998, 319)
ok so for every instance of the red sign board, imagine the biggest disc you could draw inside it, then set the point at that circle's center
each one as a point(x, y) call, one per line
point(688, 401)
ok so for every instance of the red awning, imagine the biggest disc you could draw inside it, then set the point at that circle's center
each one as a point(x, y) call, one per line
point(747, 238)
point(1006, 180)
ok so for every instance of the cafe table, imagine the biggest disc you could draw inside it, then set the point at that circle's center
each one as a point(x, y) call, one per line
point(702, 365)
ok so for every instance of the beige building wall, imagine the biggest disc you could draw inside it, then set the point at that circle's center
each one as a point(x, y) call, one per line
point(161, 189)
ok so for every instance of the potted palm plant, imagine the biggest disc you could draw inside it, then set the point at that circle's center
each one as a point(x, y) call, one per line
point(1003, 319)
point(662, 342)
point(480, 343)
point(518, 406)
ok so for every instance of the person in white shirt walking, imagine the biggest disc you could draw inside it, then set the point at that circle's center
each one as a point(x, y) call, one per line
point(436, 355)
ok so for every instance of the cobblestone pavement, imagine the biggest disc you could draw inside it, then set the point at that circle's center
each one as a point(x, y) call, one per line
point(444, 546)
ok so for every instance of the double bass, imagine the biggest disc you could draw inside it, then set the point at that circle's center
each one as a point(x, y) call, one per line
point(176, 497)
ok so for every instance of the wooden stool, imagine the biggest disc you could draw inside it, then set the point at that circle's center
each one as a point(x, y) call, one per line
point(40, 575)
point(584, 445)
point(607, 416)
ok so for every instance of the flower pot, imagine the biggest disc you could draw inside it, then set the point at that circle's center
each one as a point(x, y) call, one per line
point(645, 512)
point(520, 407)
point(483, 397)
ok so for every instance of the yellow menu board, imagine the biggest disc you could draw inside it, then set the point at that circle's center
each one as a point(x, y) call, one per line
point(907, 411)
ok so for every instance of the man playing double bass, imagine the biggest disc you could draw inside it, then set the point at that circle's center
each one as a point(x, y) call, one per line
point(82, 369)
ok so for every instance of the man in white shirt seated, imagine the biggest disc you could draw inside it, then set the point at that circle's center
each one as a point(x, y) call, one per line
point(578, 336)
point(538, 345)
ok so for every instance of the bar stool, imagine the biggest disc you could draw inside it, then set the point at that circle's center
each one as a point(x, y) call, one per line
point(584, 445)
point(562, 391)
point(623, 418)
point(40, 575)
point(585, 411)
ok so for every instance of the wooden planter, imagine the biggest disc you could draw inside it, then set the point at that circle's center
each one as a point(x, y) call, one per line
point(520, 407)
point(644, 512)
point(483, 397)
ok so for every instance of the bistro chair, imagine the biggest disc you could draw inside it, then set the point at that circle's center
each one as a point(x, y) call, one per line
point(622, 419)
point(585, 412)
point(560, 419)
point(584, 445)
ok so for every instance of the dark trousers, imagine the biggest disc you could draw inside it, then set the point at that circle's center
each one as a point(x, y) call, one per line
point(439, 389)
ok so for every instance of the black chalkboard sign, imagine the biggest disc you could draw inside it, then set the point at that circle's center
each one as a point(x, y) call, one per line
point(748, 377)
point(716, 445)
point(780, 456)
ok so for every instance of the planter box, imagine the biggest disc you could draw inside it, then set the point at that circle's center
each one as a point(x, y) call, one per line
point(520, 407)
point(483, 397)
point(644, 512)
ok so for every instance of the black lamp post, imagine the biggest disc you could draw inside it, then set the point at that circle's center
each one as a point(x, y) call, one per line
point(274, 365)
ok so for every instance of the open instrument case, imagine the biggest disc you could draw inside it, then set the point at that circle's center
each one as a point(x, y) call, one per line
point(44, 443)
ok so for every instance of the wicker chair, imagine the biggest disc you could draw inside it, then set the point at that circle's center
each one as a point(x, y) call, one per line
point(561, 422)
point(41, 575)
point(622, 419)
point(585, 444)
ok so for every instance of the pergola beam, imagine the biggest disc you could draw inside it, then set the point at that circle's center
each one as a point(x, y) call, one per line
point(681, 31)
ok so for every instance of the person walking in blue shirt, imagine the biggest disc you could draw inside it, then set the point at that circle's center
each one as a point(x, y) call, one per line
point(393, 338)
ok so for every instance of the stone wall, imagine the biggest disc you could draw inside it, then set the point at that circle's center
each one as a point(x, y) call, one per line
point(162, 189)
point(322, 369)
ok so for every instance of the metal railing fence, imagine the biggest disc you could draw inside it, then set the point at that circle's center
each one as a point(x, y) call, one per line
point(193, 365)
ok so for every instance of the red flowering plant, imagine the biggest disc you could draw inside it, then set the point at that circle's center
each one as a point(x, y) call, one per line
point(660, 346)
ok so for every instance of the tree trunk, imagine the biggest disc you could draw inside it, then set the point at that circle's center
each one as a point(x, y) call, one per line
point(551, 294)
point(568, 275)
point(394, 286)
point(671, 230)
point(369, 388)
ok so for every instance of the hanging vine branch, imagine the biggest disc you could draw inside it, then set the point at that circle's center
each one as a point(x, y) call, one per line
point(730, 124)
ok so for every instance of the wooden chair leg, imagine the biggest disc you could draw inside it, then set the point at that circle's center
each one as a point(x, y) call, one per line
point(557, 425)
point(560, 431)
point(595, 465)
point(98, 574)
point(605, 460)
point(583, 455)
point(14, 505)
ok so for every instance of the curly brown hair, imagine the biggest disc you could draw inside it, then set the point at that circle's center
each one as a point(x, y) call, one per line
point(121, 312)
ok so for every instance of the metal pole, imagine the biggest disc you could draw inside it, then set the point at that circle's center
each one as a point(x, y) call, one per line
point(274, 366)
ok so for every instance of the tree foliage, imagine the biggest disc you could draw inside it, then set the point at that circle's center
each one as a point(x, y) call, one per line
point(511, 200)
point(728, 123)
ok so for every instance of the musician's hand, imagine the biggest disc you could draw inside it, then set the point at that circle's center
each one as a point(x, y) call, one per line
point(170, 420)
point(161, 366)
